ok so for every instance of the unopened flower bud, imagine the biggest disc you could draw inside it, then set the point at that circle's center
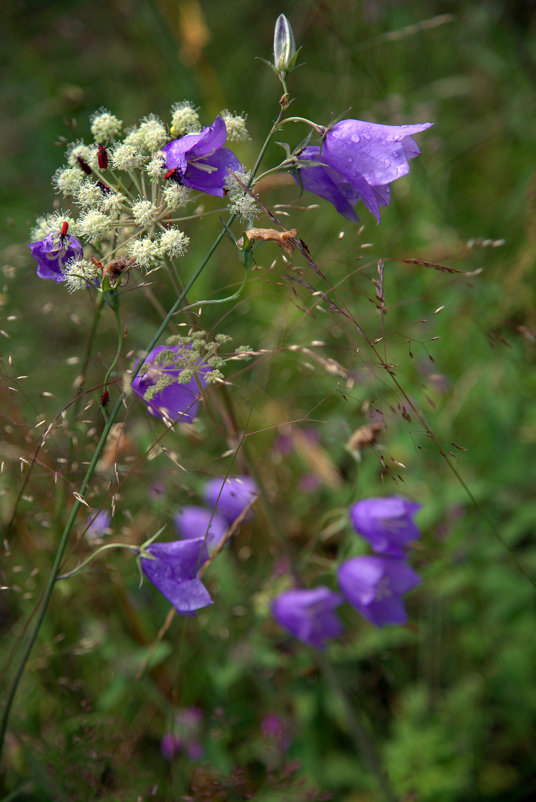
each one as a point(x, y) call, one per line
point(284, 44)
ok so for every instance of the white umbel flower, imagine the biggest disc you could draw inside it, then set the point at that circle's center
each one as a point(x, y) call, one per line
point(67, 180)
point(105, 126)
point(184, 119)
point(145, 251)
point(173, 243)
point(236, 126)
point(79, 273)
point(144, 212)
point(95, 226)
point(126, 157)
point(176, 195)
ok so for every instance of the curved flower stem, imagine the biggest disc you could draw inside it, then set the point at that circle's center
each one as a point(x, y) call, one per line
point(91, 557)
point(357, 731)
point(85, 484)
point(101, 444)
point(120, 340)
point(320, 129)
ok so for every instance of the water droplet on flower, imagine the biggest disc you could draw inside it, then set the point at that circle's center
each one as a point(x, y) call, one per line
point(387, 162)
point(356, 138)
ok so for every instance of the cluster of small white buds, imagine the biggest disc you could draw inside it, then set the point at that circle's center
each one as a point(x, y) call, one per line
point(184, 119)
point(105, 126)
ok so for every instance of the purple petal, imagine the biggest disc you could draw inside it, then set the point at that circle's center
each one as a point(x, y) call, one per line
point(308, 614)
point(377, 153)
point(387, 523)
point(176, 400)
point(51, 255)
point(230, 496)
point(174, 572)
point(374, 586)
point(209, 174)
point(194, 522)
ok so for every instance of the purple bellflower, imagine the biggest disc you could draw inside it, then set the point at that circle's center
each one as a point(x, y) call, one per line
point(174, 400)
point(200, 160)
point(308, 614)
point(194, 522)
point(359, 160)
point(230, 496)
point(175, 572)
point(387, 523)
point(98, 525)
point(52, 253)
point(375, 585)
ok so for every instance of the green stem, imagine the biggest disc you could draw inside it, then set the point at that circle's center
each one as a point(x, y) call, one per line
point(359, 736)
point(100, 447)
point(95, 554)
point(119, 348)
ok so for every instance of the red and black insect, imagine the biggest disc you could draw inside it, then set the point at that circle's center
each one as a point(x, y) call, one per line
point(102, 157)
point(104, 188)
point(84, 165)
point(63, 232)
point(105, 398)
point(174, 175)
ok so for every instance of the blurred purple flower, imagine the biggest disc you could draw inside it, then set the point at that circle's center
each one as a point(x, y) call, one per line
point(175, 400)
point(200, 159)
point(360, 161)
point(175, 572)
point(230, 496)
point(51, 254)
point(375, 585)
point(274, 729)
point(98, 524)
point(387, 523)
point(308, 614)
point(194, 522)
point(186, 735)
point(170, 746)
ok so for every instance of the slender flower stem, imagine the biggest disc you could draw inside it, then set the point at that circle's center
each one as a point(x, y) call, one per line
point(101, 444)
point(357, 731)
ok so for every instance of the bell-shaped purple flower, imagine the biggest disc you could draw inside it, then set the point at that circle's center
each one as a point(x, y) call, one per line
point(200, 160)
point(194, 522)
point(308, 614)
point(52, 253)
point(175, 572)
point(387, 523)
point(359, 162)
point(375, 586)
point(175, 400)
point(230, 496)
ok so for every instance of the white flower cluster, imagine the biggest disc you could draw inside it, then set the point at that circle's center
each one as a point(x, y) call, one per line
point(236, 126)
point(123, 203)
point(241, 202)
point(184, 119)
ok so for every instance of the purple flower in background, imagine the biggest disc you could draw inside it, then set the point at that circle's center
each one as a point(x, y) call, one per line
point(98, 524)
point(174, 400)
point(194, 522)
point(375, 585)
point(175, 570)
point(51, 254)
point(274, 729)
point(170, 746)
point(186, 735)
point(387, 523)
point(200, 159)
point(360, 161)
point(230, 496)
point(308, 614)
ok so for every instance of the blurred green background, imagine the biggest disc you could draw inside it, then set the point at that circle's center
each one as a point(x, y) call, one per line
point(449, 700)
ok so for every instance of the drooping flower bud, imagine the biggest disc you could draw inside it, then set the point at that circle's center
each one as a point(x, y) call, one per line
point(284, 44)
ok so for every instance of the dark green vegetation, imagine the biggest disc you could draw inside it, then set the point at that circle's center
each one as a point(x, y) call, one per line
point(449, 700)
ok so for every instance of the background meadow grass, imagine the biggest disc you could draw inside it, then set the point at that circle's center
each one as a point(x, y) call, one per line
point(450, 699)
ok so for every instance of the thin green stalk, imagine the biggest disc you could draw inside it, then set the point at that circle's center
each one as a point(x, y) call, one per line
point(359, 736)
point(85, 484)
point(100, 447)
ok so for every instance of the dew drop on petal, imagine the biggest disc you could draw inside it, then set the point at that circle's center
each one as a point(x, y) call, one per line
point(356, 138)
